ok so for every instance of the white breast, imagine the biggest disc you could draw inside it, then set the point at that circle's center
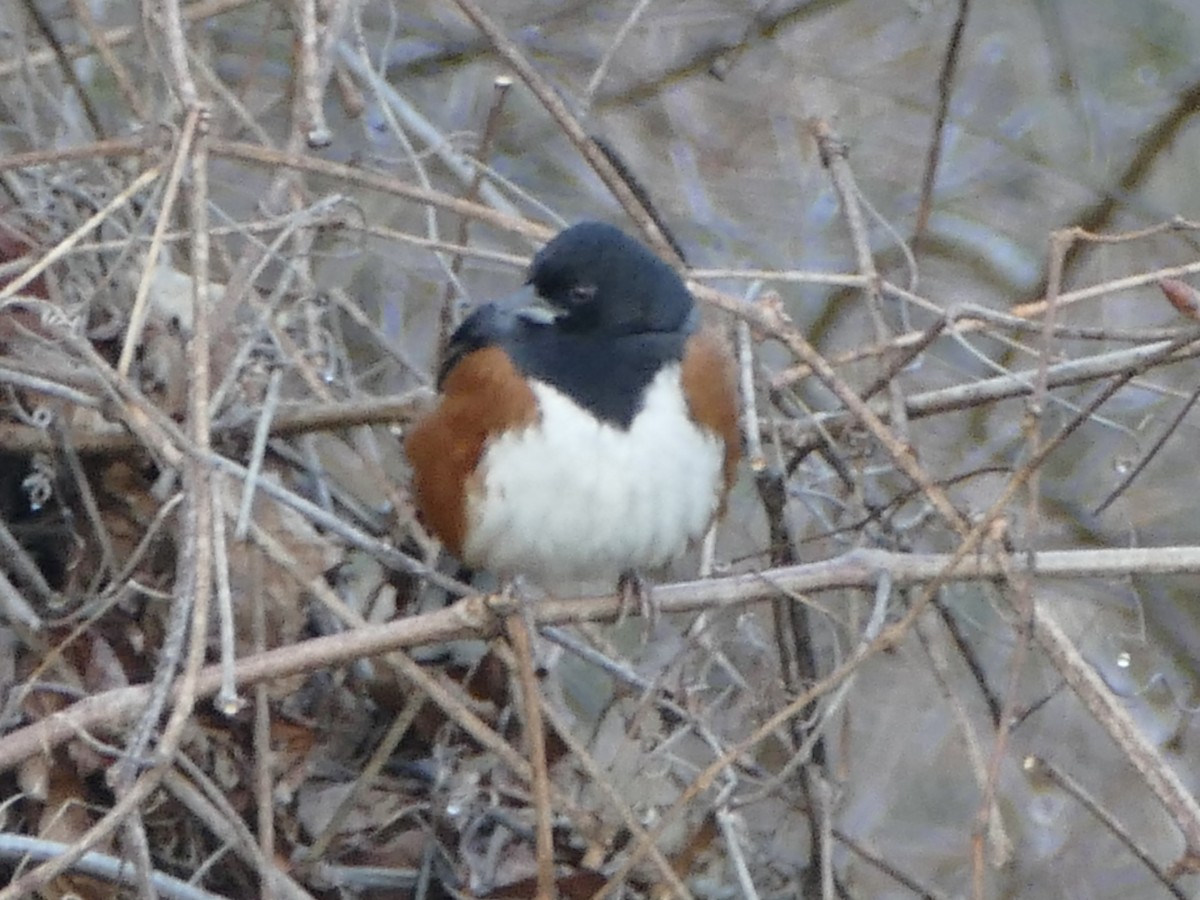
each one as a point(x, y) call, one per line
point(569, 499)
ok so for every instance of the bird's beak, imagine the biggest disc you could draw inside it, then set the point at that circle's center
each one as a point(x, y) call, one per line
point(526, 302)
point(518, 300)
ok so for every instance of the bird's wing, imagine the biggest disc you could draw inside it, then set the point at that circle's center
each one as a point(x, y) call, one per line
point(491, 325)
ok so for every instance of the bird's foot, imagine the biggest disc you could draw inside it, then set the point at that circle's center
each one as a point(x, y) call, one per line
point(513, 594)
point(632, 588)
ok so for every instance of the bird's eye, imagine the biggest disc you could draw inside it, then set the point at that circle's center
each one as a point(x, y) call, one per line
point(582, 293)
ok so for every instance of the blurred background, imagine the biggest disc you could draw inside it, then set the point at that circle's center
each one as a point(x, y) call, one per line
point(974, 131)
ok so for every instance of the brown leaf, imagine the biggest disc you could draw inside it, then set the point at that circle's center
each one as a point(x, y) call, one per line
point(15, 244)
point(282, 587)
point(66, 815)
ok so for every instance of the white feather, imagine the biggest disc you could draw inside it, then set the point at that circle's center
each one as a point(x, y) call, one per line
point(570, 499)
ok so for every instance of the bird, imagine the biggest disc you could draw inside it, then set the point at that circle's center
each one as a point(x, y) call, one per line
point(594, 443)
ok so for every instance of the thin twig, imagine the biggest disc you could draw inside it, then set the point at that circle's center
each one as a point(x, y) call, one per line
point(257, 451)
point(308, 73)
point(535, 737)
point(732, 829)
point(64, 246)
point(970, 541)
point(500, 89)
point(16, 608)
point(205, 800)
point(136, 849)
point(473, 617)
point(26, 885)
point(380, 756)
point(109, 561)
point(887, 867)
point(1113, 714)
point(120, 34)
point(627, 26)
point(354, 176)
point(945, 86)
point(616, 798)
point(112, 62)
point(902, 454)
point(30, 576)
point(408, 670)
point(1023, 310)
point(227, 700)
point(198, 479)
point(137, 315)
point(834, 156)
point(1037, 767)
point(99, 865)
point(181, 77)
point(464, 168)
point(1020, 383)
point(69, 73)
point(1150, 454)
point(608, 174)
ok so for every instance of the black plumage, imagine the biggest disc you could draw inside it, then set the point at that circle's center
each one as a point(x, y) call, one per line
point(621, 314)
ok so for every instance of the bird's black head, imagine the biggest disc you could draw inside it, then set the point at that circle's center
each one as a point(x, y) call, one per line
point(605, 281)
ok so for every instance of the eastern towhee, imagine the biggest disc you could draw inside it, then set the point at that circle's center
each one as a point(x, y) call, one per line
point(585, 446)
